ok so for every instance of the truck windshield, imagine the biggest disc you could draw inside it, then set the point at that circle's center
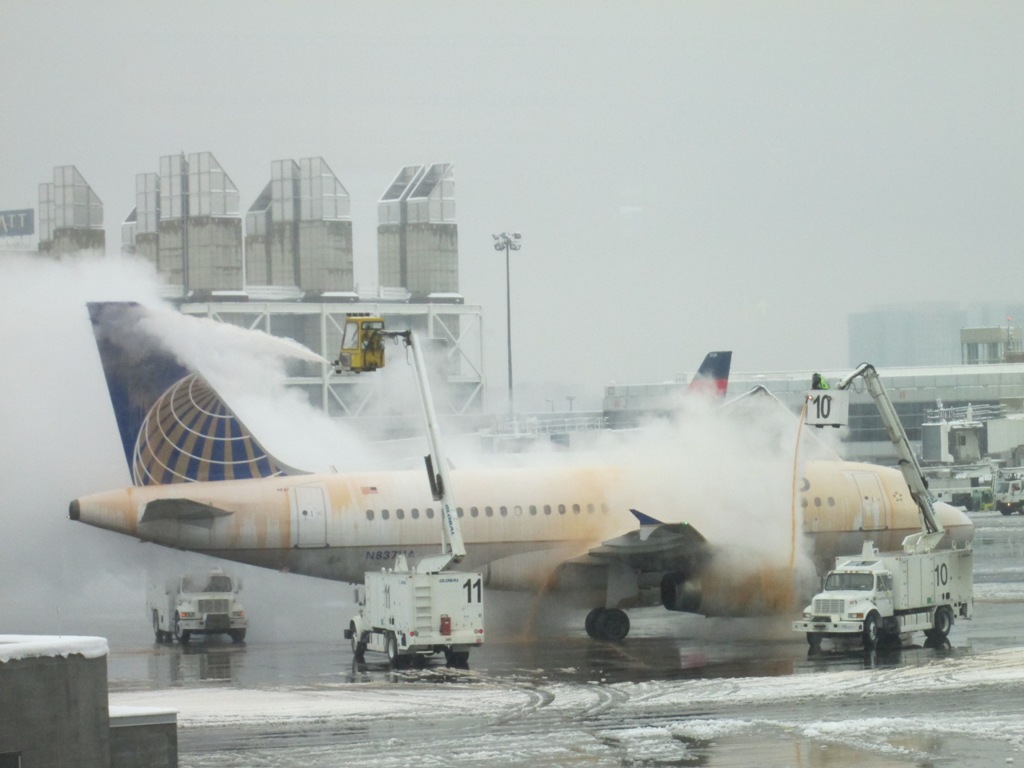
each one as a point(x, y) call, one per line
point(219, 584)
point(841, 582)
point(206, 583)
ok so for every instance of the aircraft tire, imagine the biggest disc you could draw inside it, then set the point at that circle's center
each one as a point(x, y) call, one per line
point(611, 624)
point(591, 621)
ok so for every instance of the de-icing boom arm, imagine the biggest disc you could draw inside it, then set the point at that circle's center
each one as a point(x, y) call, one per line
point(931, 529)
point(453, 548)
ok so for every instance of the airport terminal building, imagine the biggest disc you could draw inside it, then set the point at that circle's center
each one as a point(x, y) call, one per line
point(286, 267)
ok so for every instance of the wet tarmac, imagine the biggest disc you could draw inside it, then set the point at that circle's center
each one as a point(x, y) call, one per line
point(680, 690)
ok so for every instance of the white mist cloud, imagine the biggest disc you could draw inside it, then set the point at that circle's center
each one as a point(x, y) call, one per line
point(248, 369)
point(60, 441)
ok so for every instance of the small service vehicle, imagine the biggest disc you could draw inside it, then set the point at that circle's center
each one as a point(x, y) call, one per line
point(876, 596)
point(197, 604)
point(410, 616)
point(1009, 493)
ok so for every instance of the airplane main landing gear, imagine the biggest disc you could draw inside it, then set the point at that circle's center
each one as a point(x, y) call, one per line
point(607, 624)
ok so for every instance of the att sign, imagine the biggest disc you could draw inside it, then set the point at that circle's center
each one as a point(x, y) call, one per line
point(16, 223)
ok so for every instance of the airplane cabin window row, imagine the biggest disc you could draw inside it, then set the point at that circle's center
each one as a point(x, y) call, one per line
point(817, 501)
point(517, 511)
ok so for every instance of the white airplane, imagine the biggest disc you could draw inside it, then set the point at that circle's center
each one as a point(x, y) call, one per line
point(204, 483)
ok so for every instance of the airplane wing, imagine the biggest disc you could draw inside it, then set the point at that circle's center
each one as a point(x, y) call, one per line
point(657, 564)
point(654, 546)
point(181, 510)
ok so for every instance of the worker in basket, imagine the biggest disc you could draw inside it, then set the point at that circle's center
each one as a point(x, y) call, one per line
point(818, 382)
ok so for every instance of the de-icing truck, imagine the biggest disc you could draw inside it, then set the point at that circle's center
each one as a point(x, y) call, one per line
point(875, 595)
point(410, 613)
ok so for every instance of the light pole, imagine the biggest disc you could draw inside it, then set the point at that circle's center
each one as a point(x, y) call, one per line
point(508, 241)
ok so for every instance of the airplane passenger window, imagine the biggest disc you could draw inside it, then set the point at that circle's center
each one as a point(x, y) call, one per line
point(459, 512)
point(831, 501)
point(474, 512)
point(575, 509)
point(400, 514)
point(561, 509)
point(503, 511)
point(547, 509)
point(414, 513)
point(533, 509)
point(430, 513)
point(369, 514)
point(488, 511)
point(590, 509)
point(817, 501)
point(384, 514)
point(518, 510)
point(803, 502)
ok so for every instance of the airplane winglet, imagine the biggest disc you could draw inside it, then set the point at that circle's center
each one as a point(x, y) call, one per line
point(645, 519)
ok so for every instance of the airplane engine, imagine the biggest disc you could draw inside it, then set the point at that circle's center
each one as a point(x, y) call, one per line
point(723, 589)
point(680, 592)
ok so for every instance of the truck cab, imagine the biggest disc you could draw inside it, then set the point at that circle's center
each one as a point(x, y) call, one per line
point(1009, 494)
point(197, 604)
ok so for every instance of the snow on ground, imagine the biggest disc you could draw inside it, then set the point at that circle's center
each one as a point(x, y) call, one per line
point(959, 708)
point(222, 706)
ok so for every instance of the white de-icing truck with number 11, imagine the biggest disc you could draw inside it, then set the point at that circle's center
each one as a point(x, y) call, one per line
point(411, 613)
point(877, 595)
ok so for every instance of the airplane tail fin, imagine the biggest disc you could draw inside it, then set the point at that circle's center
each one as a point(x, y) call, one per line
point(174, 426)
point(712, 377)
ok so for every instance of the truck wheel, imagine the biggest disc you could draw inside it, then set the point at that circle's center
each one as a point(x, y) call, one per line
point(391, 648)
point(871, 631)
point(181, 635)
point(456, 659)
point(943, 623)
point(358, 647)
point(237, 635)
point(814, 640)
point(156, 627)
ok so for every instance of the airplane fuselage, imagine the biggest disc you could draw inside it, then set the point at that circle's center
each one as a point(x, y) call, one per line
point(518, 524)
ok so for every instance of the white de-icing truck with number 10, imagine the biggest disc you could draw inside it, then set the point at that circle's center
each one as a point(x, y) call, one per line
point(411, 613)
point(875, 595)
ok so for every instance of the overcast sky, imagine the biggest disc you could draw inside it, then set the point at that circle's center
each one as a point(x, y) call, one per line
point(686, 175)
